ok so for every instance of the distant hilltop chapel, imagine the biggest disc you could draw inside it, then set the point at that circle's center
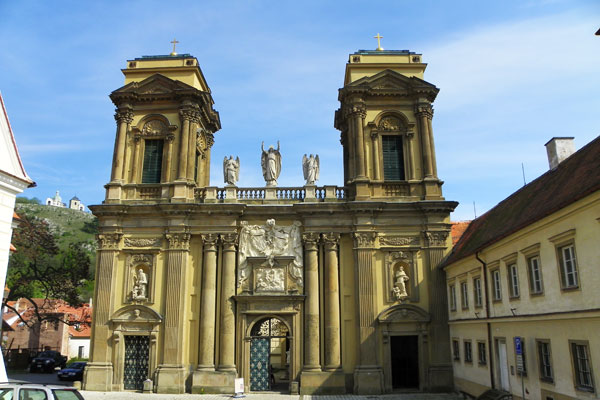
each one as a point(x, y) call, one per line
point(56, 201)
point(308, 289)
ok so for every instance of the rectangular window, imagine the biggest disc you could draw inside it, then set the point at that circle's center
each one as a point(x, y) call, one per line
point(152, 168)
point(452, 295)
point(468, 351)
point(545, 361)
point(513, 280)
point(393, 158)
point(582, 366)
point(496, 285)
point(455, 350)
point(481, 354)
point(477, 292)
point(524, 358)
point(535, 275)
point(464, 295)
point(568, 266)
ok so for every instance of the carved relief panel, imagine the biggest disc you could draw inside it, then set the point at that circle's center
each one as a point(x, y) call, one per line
point(140, 277)
point(401, 276)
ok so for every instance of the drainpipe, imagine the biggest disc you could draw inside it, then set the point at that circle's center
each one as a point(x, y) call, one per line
point(487, 316)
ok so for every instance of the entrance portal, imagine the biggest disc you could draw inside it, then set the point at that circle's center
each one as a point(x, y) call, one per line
point(136, 362)
point(405, 362)
point(269, 356)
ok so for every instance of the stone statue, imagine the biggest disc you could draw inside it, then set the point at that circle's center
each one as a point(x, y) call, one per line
point(231, 170)
point(270, 241)
point(400, 279)
point(310, 167)
point(270, 162)
point(140, 286)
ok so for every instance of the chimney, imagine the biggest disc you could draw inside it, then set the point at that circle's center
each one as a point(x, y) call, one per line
point(559, 149)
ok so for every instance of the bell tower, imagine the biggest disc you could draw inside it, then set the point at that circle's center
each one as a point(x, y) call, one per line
point(386, 132)
point(165, 127)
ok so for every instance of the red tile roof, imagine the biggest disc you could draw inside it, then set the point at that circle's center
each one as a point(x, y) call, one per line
point(457, 230)
point(573, 179)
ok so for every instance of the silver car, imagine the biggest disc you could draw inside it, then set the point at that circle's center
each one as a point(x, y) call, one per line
point(33, 391)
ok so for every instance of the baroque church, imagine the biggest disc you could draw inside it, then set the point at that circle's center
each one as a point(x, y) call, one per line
point(310, 289)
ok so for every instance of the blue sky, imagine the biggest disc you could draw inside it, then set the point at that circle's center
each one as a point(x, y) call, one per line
point(512, 75)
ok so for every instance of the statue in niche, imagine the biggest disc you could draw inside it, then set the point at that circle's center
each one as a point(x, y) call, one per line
point(140, 286)
point(400, 279)
point(270, 241)
point(231, 170)
point(270, 162)
point(310, 168)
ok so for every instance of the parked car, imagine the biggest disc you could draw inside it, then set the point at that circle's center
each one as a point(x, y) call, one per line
point(73, 372)
point(47, 360)
point(33, 391)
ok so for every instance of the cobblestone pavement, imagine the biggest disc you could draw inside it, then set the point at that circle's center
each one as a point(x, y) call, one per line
point(263, 396)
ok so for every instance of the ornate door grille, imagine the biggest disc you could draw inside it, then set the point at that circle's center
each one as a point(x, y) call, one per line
point(136, 362)
point(259, 364)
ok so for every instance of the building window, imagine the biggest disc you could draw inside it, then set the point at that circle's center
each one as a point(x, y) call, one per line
point(452, 295)
point(152, 168)
point(513, 280)
point(535, 275)
point(464, 295)
point(393, 158)
point(468, 351)
point(568, 266)
point(481, 354)
point(477, 292)
point(455, 350)
point(545, 360)
point(582, 366)
point(496, 285)
point(524, 356)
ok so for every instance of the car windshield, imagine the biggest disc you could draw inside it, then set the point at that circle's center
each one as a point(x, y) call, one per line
point(77, 365)
point(66, 394)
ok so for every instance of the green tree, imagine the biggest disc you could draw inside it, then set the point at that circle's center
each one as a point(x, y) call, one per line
point(39, 269)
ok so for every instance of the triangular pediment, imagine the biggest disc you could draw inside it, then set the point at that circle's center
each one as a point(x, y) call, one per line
point(155, 84)
point(392, 81)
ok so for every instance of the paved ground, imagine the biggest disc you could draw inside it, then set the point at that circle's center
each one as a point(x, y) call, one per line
point(53, 379)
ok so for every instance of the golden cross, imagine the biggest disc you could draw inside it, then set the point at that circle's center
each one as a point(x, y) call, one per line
point(173, 53)
point(379, 48)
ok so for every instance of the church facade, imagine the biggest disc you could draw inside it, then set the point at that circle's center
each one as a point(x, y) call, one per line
point(311, 289)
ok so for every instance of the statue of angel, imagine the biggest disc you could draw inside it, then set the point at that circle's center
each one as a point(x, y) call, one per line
point(270, 162)
point(310, 167)
point(231, 170)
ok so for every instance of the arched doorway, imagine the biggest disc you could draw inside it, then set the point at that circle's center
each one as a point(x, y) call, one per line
point(269, 355)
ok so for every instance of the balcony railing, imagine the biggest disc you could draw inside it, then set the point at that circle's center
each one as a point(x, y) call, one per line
point(286, 195)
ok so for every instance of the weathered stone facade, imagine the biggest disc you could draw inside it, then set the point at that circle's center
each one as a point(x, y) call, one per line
point(316, 270)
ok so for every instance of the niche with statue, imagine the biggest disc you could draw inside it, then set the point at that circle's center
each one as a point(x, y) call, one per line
point(401, 276)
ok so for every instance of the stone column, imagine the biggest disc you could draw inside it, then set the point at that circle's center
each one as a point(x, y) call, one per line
point(185, 116)
point(376, 165)
point(193, 135)
point(431, 144)
point(170, 375)
point(137, 141)
point(311, 304)
point(368, 375)
point(332, 303)
point(100, 370)
point(358, 115)
point(206, 360)
point(124, 117)
point(410, 161)
point(210, 140)
point(169, 142)
point(440, 364)
point(227, 328)
point(423, 112)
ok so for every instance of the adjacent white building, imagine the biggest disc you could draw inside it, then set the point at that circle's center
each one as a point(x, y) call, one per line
point(13, 180)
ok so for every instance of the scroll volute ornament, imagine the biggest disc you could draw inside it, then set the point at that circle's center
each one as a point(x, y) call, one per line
point(310, 240)
point(124, 114)
point(424, 110)
point(179, 241)
point(437, 238)
point(229, 240)
point(331, 240)
point(109, 241)
point(364, 239)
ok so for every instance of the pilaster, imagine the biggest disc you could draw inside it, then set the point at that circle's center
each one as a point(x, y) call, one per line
point(227, 328)
point(124, 117)
point(332, 302)
point(368, 375)
point(424, 113)
point(311, 305)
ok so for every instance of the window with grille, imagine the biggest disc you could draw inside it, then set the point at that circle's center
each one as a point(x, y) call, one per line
point(152, 167)
point(568, 266)
point(393, 158)
point(481, 354)
point(535, 275)
point(582, 366)
point(545, 361)
point(513, 280)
